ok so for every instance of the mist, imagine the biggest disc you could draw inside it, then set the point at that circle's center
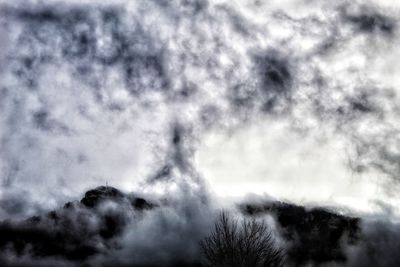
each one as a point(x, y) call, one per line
point(194, 106)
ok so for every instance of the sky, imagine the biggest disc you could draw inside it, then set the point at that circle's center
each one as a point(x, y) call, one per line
point(291, 100)
point(72, 121)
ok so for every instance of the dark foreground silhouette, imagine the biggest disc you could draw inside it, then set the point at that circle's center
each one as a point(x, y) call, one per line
point(84, 229)
point(249, 243)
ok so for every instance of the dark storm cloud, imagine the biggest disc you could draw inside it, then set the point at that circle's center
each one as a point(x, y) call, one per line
point(90, 76)
point(140, 66)
point(270, 88)
point(179, 156)
point(89, 36)
point(97, 43)
point(370, 22)
point(276, 79)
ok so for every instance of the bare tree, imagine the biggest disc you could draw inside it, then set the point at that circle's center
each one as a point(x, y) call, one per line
point(231, 244)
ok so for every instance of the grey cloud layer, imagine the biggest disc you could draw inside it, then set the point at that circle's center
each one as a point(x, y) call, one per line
point(125, 93)
point(75, 70)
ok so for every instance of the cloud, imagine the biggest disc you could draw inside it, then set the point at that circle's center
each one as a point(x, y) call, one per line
point(367, 20)
point(378, 245)
point(112, 228)
point(129, 93)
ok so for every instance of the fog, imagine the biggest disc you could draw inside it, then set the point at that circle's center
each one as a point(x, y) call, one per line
point(199, 104)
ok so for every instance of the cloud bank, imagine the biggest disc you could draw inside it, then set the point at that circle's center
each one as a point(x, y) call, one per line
point(129, 93)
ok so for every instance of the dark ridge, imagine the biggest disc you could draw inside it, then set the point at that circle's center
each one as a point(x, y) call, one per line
point(95, 196)
point(70, 233)
point(142, 204)
point(316, 235)
point(100, 194)
point(112, 224)
point(43, 241)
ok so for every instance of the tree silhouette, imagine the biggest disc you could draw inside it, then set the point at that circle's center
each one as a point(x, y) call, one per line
point(231, 244)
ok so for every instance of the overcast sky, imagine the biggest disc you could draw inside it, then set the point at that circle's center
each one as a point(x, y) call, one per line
point(191, 106)
point(296, 100)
